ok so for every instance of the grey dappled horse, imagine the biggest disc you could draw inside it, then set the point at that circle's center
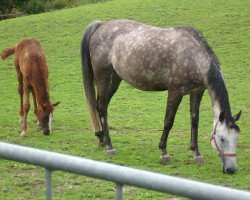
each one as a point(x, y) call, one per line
point(149, 58)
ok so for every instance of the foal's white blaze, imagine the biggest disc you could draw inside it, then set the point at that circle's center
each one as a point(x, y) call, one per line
point(50, 121)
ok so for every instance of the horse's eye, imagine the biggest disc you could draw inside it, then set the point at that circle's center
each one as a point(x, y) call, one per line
point(221, 138)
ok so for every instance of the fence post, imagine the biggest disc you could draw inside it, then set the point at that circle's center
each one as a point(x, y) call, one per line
point(48, 184)
point(118, 191)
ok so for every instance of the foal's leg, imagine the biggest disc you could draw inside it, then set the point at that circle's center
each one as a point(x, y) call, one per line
point(20, 89)
point(105, 93)
point(35, 104)
point(195, 100)
point(26, 107)
point(174, 100)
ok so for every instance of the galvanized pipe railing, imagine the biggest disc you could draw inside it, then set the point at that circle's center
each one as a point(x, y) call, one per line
point(48, 184)
point(117, 174)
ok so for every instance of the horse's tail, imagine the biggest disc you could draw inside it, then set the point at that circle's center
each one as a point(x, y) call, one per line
point(88, 77)
point(7, 52)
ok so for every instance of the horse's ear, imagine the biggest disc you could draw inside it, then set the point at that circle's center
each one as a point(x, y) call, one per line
point(237, 116)
point(222, 116)
point(56, 104)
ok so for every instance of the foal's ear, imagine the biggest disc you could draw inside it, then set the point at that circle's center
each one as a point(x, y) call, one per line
point(56, 104)
point(222, 116)
point(237, 116)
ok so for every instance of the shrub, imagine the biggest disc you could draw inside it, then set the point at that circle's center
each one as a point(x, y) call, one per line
point(59, 4)
point(35, 6)
point(39, 6)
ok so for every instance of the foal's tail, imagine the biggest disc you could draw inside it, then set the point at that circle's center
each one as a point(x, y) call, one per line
point(7, 52)
point(88, 77)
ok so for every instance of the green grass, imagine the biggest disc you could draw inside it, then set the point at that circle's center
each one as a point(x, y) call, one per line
point(135, 117)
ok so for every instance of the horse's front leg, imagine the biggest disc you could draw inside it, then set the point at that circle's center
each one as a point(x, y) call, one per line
point(35, 106)
point(26, 107)
point(195, 100)
point(173, 102)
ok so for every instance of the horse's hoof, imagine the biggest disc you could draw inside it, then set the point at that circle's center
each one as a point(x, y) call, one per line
point(111, 152)
point(23, 134)
point(198, 159)
point(165, 159)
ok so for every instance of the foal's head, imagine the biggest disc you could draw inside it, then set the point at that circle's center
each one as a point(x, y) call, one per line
point(224, 141)
point(45, 113)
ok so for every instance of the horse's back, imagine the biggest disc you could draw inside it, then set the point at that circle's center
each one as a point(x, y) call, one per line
point(32, 62)
point(150, 58)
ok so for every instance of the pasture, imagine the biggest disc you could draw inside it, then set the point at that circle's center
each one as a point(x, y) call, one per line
point(135, 117)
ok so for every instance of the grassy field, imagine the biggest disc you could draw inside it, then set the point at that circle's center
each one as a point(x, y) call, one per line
point(135, 117)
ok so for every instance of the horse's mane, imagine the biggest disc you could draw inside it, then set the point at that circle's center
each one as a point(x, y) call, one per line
point(217, 85)
point(215, 79)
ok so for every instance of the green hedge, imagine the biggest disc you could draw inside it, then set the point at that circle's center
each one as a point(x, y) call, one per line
point(38, 6)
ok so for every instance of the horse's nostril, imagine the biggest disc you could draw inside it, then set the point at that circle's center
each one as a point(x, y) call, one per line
point(230, 170)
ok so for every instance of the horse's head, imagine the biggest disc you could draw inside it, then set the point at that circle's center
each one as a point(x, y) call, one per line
point(224, 140)
point(45, 113)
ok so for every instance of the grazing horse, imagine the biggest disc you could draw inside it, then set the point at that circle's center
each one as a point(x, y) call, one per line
point(176, 59)
point(32, 75)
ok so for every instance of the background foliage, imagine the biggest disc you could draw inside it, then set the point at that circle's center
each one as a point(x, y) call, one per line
point(135, 117)
point(38, 6)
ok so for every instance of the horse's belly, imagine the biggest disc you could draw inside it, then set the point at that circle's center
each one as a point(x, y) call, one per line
point(143, 78)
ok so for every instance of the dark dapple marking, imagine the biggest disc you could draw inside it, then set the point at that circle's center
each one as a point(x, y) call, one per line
point(32, 75)
point(176, 59)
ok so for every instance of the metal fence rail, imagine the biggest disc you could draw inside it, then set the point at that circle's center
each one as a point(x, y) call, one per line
point(117, 174)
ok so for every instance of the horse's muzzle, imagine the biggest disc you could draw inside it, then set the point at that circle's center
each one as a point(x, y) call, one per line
point(229, 170)
point(46, 132)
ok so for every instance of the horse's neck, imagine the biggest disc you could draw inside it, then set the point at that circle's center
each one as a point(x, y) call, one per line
point(216, 110)
point(218, 107)
point(42, 95)
point(219, 96)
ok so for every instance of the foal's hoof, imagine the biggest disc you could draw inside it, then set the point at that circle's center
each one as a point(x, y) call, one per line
point(111, 152)
point(165, 159)
point(198, 159)
point(23, 134)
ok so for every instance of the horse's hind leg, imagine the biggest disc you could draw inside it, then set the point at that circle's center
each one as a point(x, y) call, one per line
point(106, 89)
point(20, 89)
point(195, 100)
point(173, 102)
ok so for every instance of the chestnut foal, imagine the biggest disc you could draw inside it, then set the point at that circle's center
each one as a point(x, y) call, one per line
point(32, 75)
